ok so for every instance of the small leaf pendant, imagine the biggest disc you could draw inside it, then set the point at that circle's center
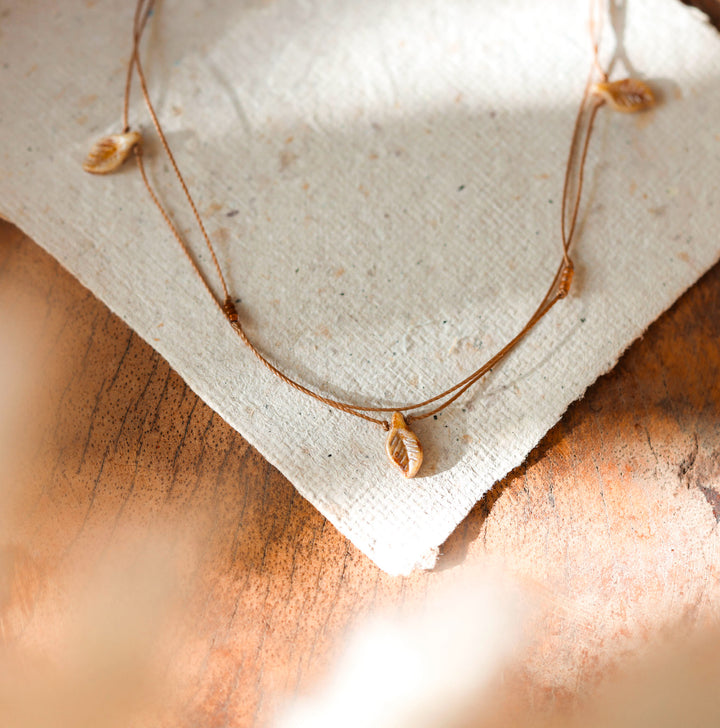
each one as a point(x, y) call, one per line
point(403, 448)
point(110, 152)
point(628, 95)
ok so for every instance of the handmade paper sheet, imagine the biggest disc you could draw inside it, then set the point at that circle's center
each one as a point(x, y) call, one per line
point(382, 181)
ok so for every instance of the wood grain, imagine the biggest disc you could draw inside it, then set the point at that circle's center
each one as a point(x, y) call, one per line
point(115, 473)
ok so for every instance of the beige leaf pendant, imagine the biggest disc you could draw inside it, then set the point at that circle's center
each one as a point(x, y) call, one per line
point(403, 448)
point(110, 152)
point(628, 95)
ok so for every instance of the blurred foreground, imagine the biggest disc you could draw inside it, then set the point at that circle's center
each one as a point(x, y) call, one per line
point(155, 570)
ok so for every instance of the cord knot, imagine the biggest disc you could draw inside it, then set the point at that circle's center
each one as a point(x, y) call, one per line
point(230, 310)
point(566, 278)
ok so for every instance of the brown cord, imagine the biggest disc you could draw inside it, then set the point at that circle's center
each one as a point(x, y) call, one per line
point(140, 22)
point(559, 288)
point(230, 310)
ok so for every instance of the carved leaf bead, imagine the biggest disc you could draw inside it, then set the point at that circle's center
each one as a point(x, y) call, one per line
point(628, 95)
point(403, 447)
point(110, 152)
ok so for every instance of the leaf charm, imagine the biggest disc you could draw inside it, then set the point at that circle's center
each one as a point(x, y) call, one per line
point(403, 447)
point(628, 95)
point(110, 152)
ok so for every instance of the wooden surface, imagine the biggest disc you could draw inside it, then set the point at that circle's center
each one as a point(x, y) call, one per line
point(151, 560)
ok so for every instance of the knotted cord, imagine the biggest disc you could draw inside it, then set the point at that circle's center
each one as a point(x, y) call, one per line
point(558, 289)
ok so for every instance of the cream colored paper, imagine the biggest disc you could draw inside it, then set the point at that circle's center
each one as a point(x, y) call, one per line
point(382, 181)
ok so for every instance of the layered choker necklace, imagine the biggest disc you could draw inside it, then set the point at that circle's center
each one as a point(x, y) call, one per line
point(403, 448)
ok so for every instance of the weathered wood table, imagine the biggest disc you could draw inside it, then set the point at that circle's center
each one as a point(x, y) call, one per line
point(120, 488)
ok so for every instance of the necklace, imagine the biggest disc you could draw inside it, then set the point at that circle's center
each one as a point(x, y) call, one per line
point(402, 445)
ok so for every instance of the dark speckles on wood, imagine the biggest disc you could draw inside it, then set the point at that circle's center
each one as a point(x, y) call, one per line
point(687, 464)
